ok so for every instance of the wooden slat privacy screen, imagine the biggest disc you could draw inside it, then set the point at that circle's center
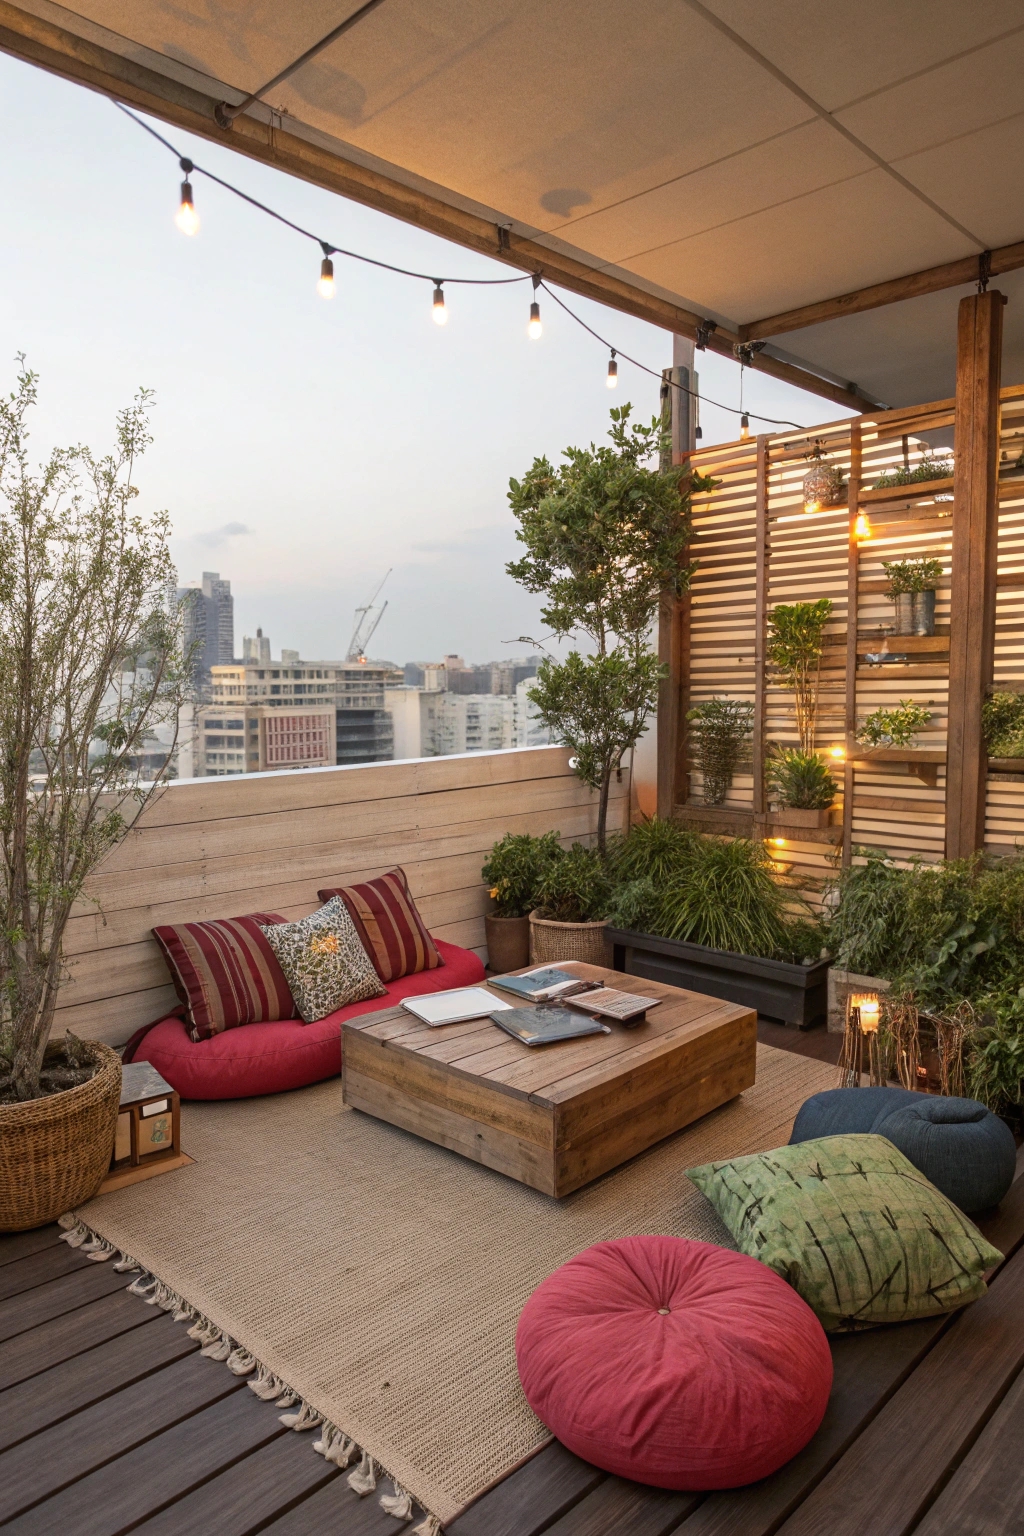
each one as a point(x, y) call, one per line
point(265, 842)
point(755, 546)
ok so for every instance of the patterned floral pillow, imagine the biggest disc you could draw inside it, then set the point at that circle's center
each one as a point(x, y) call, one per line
point(324, 963)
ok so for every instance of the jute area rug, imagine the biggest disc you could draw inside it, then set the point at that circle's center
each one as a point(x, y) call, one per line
point(381, 1277)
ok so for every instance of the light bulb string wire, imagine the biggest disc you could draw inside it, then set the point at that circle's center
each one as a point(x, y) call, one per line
point(475, 282)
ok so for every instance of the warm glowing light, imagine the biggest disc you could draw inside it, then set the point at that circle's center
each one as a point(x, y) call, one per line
point(186, 217)
point(777, 842)
point(613, 372)
point(440, 310)
point(861, 528)
point(812, 506)
point(744, 427)
point(837, 752)
point(534, 329)
point(325, 287)
point(868, 1011)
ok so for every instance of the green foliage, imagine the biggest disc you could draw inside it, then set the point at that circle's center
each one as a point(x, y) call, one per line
point(911, 575)
point(514, 869)
point(800, 780)
point(655, 849)
point(927, 469)
point(606, 534)
point(995, 1060)
point(90, 662)
point(795, 645)
point(720, 729)
point(728, 899)
point(636, 906)
point(575, 888)
point(894, 727)
point(1002, 716)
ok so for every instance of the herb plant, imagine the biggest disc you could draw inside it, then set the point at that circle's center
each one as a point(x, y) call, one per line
point(912, 575)
point(575, 888)
point(514, 869)
point(1002, 716)
point(894, 727)
point(720, 730)
point(927, 469)
point(801, 781)
point(795, 647)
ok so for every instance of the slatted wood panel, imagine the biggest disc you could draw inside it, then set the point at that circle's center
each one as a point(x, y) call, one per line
point(266, 842)
point(750, 560)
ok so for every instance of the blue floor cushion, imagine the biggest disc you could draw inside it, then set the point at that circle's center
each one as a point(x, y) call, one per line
point(960, 1146)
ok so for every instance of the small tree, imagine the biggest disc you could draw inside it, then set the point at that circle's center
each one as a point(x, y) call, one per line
point(795, 645)
point(90, 661)
point(606, 536)
point(720, 729)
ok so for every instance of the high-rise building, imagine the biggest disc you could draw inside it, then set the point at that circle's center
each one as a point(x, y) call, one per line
point(208, 612)
point(257, 649)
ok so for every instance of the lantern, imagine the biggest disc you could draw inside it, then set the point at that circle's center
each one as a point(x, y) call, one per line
point(824, 485)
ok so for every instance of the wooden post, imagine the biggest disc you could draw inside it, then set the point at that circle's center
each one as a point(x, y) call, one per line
point(673, 653)
point(760, 623)
point(852, 611)
point(973, 584)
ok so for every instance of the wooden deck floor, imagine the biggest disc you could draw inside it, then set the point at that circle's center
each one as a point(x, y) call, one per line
point(111, 1422)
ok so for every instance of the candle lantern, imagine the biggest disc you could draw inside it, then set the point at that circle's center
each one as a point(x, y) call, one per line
point(148, 1120)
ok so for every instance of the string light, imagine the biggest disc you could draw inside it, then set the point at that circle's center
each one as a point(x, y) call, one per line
point(744, 427)
point(186, 217)
point(535, 330)
point(440, 311)
point(862, 528)
point(613, 371)
point(325, 287)
point(837, 753)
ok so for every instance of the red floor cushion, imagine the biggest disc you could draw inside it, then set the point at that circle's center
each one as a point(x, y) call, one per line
point(271, 1058)
point(674, 1363)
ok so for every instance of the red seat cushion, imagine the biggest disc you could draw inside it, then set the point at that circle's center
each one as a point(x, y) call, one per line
point(271, 1058)
point(674, 1363)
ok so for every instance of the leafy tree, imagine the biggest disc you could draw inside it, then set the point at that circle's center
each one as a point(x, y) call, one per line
point(795, 646)
point(90, 661)
point(606, 535)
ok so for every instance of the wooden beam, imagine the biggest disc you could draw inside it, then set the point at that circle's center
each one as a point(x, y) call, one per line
point(952, 274)
point(973, 581)
point(87, 63)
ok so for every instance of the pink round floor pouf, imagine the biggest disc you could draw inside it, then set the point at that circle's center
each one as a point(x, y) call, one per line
point(674, 1363)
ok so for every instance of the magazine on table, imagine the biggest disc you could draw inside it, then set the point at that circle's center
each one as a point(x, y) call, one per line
point(455, 1007)
point(610, 1003)
point(544, 983)
point(544, 1024)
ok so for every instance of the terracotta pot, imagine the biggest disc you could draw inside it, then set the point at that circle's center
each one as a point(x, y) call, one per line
point(553, 942)
point(54, 1152)
point(508, 943)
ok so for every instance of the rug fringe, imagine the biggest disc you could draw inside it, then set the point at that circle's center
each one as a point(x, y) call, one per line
point(215, 1344)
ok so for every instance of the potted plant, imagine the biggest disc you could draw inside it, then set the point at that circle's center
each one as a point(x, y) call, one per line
point(720, 729)
point(606, 535)
point(912, 589)
point(90, 661)
point(513, 872)
point(823, 484)
point(707, 913)
point(569, 920)
point(795, 648)
point(802, 787)
point(928, 469)
point(894, 727)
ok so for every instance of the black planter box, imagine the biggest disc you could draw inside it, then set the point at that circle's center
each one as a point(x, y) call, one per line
point(796, 994)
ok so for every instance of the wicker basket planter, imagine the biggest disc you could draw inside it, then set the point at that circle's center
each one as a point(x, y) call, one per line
point(55, 1151)
point(508, 943)
point(551, 942)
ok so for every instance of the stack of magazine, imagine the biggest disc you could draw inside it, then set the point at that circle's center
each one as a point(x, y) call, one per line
point(549, 984)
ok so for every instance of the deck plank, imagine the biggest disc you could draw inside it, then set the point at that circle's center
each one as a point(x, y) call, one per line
point(244, 1496)
point(49, 1263)
point(60, 1455)
point(55, 1297)
point(541, 1491)
point(74, 1384)
point(620, 1508)
point(986, 1495)
point(333, 1511)
point(69, 1335)
point(165, 1468)
point(17, 1245)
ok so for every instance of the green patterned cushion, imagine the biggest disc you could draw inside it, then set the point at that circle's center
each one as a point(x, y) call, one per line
point(855, 1229)
point(323, 961)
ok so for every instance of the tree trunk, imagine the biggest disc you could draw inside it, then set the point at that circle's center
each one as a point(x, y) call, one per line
point(602, 812)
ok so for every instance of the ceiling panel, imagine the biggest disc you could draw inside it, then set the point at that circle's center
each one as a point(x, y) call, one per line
point(979, 179)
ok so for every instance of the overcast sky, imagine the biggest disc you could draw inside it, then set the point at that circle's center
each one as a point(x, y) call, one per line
point(303, 446)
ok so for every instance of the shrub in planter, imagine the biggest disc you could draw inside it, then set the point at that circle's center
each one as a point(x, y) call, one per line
point(569, 920)
point(912, 589)
point(513, 872)
point(928, 469)
point(894, 727)
point(800, 781)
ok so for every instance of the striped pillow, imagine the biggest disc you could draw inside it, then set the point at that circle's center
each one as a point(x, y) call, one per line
point(388, 924)
point(226, 973)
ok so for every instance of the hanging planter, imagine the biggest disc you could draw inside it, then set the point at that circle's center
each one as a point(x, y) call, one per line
point(824, 485)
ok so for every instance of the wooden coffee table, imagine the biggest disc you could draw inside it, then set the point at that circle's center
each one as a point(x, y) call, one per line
point(552, 1116)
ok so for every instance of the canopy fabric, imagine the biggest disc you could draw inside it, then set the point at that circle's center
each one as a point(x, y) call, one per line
point(737, 158)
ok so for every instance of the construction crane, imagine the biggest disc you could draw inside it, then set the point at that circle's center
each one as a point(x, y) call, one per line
point(367, 619)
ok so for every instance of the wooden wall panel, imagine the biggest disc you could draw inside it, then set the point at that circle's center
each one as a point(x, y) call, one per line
point(266, 842)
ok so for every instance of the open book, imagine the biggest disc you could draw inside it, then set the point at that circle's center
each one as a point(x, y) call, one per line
point(544, 984)
point(610, 1003)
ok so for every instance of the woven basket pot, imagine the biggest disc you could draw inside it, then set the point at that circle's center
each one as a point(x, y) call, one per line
point(551, 942)
point(55, 1151)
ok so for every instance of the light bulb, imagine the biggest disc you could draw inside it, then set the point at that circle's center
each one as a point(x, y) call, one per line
point(186, 217)
point(613, 372)
point(440, 312)
point(698, 433)
point(868, 1009)
point(325, 287)
point(838, 753)
point(861, 528)
point(534, 329)
point(744, 427)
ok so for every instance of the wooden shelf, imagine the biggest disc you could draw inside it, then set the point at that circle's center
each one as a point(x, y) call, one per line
point(1006, 765)
point(914, 490)
point(890, 644)
point(727, 821)
point(918, 763)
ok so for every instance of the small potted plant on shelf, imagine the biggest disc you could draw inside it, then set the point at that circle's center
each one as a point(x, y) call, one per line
point(927, 469)
point(912, 588)
point(569, 921)
point(90, 661)
point(894, 727)
point(513, 872)
point(801, 786)
point(720, 730)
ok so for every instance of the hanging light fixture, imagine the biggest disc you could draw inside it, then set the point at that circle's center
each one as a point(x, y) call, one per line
point(613, 371)
point(744, 427)
point(440, 311)
point(823, 484)
point(535, 330)
point(862, 528)
point(325, 286)
point(186, 217)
